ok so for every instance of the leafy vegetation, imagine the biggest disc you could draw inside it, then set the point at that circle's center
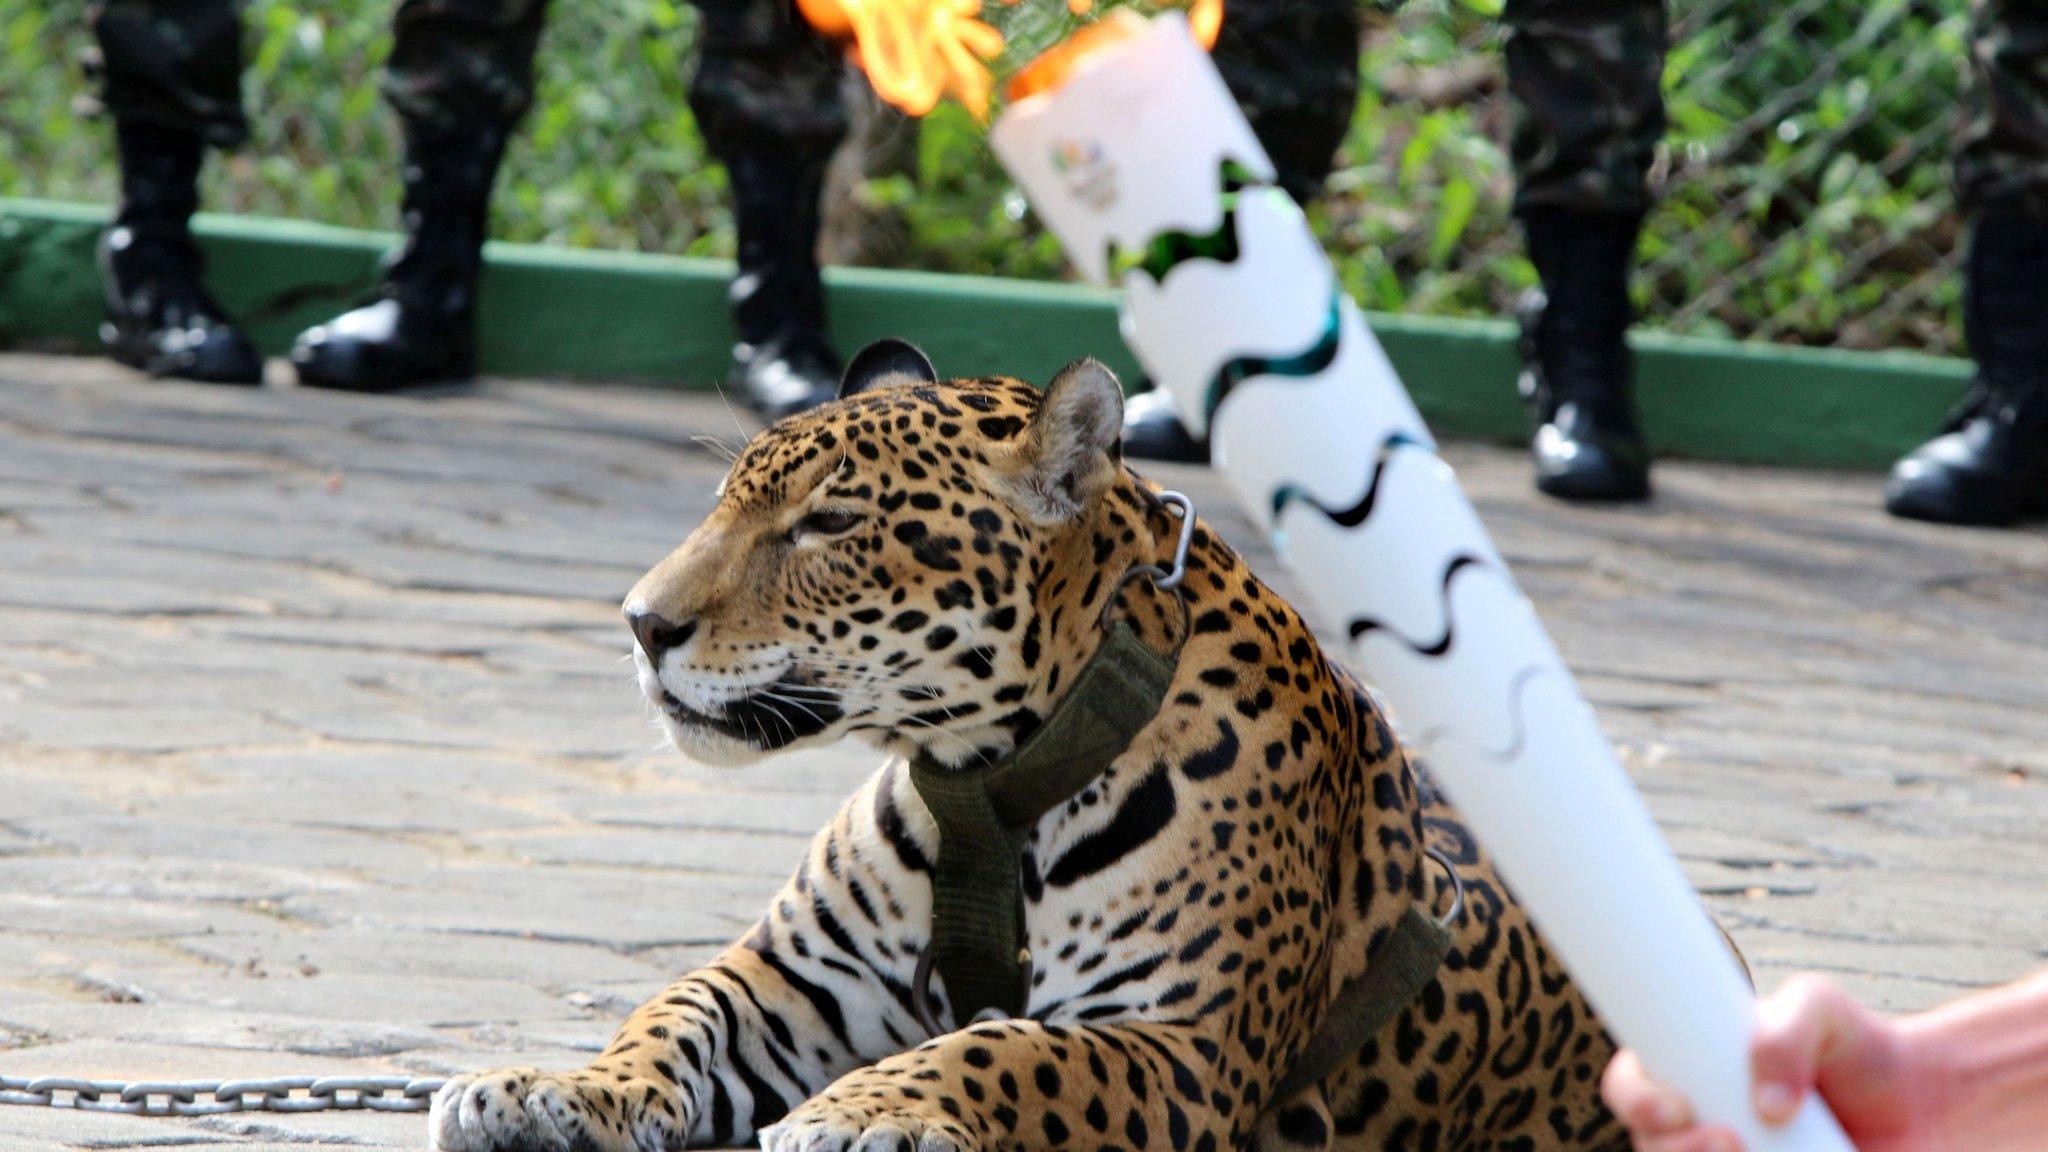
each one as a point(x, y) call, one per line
point(1804, 194)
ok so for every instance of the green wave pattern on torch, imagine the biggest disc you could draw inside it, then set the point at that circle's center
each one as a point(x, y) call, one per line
point(1310, 362)
point(1171, 249)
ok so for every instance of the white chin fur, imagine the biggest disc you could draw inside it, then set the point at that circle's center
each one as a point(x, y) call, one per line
point(710, 748)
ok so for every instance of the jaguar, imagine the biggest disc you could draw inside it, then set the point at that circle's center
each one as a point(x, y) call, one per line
point(930, 565)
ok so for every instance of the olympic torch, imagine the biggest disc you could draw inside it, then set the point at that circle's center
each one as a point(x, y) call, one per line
point(1134, 154)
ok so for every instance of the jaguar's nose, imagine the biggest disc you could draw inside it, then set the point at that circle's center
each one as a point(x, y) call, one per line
point(658, 635)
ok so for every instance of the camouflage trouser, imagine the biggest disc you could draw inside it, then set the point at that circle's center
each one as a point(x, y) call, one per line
point(1584, 77)
point(178, 63)
point(459, 63)
point(764, 76)
point(1588, 110)
point(1583, 73)
point(1293, 67)
point(2004, 144)
point(173, 64)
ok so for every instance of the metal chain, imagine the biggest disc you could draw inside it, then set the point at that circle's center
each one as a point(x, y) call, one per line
point(213, 1097)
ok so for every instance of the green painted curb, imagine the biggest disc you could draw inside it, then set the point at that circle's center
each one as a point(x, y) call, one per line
point(563, 312)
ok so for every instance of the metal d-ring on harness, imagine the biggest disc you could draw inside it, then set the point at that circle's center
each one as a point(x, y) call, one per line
point(1457, 909)
point(1166, 579)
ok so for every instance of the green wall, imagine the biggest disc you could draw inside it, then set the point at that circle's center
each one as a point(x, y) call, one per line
point(618, 316)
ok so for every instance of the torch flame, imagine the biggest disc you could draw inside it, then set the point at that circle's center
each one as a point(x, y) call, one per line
point(917, 52)
point(1205, 20)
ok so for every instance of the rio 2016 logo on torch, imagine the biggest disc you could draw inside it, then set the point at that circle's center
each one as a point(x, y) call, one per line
point(1090, 177)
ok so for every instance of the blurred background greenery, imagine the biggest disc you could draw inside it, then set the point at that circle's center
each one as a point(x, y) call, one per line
point(1804, 180)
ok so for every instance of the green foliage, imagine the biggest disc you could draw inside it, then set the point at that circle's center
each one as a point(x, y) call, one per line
point(1804, 184)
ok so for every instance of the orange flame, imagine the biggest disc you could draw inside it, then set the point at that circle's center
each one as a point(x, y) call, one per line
point(1205, 21)
point(917, 52)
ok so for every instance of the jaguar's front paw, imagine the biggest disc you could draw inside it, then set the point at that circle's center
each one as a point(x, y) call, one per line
point(523, 1110)
point(876, 1120)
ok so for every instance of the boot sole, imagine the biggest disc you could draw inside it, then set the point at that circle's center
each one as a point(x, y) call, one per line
point(1577, 495)
point(1583, 490)
point(459, 372)
point(141, 357)
point(1966, 516)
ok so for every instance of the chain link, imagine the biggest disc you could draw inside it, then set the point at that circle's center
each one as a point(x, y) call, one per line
point(213, 1097)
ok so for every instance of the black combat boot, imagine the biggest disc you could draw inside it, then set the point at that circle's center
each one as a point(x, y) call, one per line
point(784, 362)
point(1576, 365)
point(1991, 464)
point(1153, 431)
point(422, 326)
point(160, 318)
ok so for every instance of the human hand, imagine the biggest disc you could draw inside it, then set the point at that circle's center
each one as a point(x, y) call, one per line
point(1810, 1035)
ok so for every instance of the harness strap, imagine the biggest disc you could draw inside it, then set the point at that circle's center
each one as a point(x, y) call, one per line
point(1405, 962)
point(986, 815)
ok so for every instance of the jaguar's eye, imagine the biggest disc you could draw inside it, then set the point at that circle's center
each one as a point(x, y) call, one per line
point(828, 522)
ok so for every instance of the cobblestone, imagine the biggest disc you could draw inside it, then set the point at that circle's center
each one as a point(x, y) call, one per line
point(318, 752)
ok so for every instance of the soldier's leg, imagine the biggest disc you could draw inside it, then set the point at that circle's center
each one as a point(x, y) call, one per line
point(1292, 66)
point(460, 77)
point(169, 73)
point(1584, 77)
point(1991, 464)
point(2002, 159)
point(767, 98)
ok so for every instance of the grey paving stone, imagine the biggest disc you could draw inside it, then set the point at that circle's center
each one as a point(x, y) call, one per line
point(54, 1129)
point(405, 777)
point(772, 855)
point(88, 1013)
point(688, 806)
point(122, 917)
point(159, 879)
point(416, 1000)
point(381, 951)
point(45, 961)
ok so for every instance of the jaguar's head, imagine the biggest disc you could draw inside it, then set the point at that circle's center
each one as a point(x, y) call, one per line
point(915, 561)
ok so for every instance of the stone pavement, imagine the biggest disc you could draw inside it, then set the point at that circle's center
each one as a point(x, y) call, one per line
point(319, 751)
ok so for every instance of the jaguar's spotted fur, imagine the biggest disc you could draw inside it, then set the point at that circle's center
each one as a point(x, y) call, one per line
point(925, 564)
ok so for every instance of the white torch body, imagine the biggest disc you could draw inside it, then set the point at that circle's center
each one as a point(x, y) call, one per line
point(1313, 430)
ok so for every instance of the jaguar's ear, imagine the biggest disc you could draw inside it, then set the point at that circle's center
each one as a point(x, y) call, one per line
point(890, 361)
point(1071, 449)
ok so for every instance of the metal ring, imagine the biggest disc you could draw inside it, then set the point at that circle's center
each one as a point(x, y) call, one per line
point(1157, 574)
point(1117, 589)
point(1457, 887)
point(1166, 579)
point(1179, 571)
point(921, 994)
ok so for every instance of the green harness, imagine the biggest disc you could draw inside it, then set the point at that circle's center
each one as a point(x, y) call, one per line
point(986, 815)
